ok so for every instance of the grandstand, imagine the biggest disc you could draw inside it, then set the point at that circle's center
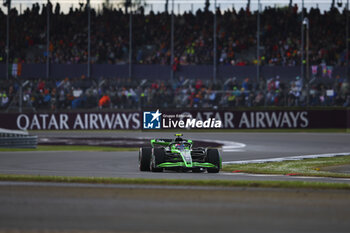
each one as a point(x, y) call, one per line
point(151, 54)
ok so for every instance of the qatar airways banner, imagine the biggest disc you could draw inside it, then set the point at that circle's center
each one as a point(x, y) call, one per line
point(252, 119)
point(71, 121)
point(159, 119)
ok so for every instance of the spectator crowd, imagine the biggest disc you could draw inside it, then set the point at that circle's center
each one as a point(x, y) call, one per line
point(236, 36)
point(236, 45)
point(84, 93)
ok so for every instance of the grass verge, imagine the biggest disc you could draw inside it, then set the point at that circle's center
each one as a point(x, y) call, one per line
point(305, 167)
point(71, 148)
point(176, 182)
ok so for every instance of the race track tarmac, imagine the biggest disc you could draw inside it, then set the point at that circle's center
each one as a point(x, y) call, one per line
point(125, 164)
point(73, 208)
point(132, 208)
point(258, 145)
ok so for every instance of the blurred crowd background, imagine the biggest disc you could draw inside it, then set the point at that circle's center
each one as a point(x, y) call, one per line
point(280, 43)
point(83, 93)
point(236, 36)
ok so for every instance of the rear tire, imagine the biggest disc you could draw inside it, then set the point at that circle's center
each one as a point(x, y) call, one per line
point(157, 159)
point(145, 155)
point(213, 157)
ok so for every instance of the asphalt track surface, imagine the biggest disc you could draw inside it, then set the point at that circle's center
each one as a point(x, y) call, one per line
point(246, 146)
point(51, 207)
point(30, 207)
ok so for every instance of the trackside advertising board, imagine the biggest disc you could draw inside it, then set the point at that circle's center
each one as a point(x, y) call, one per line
point(194, 119)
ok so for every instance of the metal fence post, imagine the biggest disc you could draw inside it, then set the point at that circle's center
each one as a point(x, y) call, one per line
point(258, 45)
point(215, 44)
point(130, 40)
point(89, 39)
point(8, 38)
point(172, 42)
point(302, 43)
point(347, 42)
point(47, 40)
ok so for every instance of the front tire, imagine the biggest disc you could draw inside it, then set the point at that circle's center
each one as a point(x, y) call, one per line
point(145, 155)
point(157, 158)
point(213, 157)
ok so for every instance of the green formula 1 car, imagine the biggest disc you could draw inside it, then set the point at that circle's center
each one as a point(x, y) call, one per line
point(178, 154)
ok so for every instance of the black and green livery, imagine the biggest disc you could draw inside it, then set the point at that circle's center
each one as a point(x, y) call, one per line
point(178, 154)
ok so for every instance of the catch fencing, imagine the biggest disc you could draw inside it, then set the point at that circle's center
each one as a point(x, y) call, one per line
point(161, 72)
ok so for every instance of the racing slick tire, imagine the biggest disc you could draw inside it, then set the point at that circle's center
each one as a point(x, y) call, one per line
point(145, 155)
point(157, 158)
point(213, 157)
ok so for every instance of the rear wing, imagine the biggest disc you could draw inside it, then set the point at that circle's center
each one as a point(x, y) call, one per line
point(165, 142)
point(161, 142)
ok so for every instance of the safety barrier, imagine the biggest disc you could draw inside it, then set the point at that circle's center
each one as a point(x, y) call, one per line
point(17, 139)
point(137, 120)
point(162, 72)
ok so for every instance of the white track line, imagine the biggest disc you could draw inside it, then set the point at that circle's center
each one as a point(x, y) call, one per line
point(287, 158)
point(51, 151)
point(285, 176)
point(228, 146)
point(248, 174)
point(233, 150)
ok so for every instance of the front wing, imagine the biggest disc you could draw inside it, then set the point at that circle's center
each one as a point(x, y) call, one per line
point(183, 164)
